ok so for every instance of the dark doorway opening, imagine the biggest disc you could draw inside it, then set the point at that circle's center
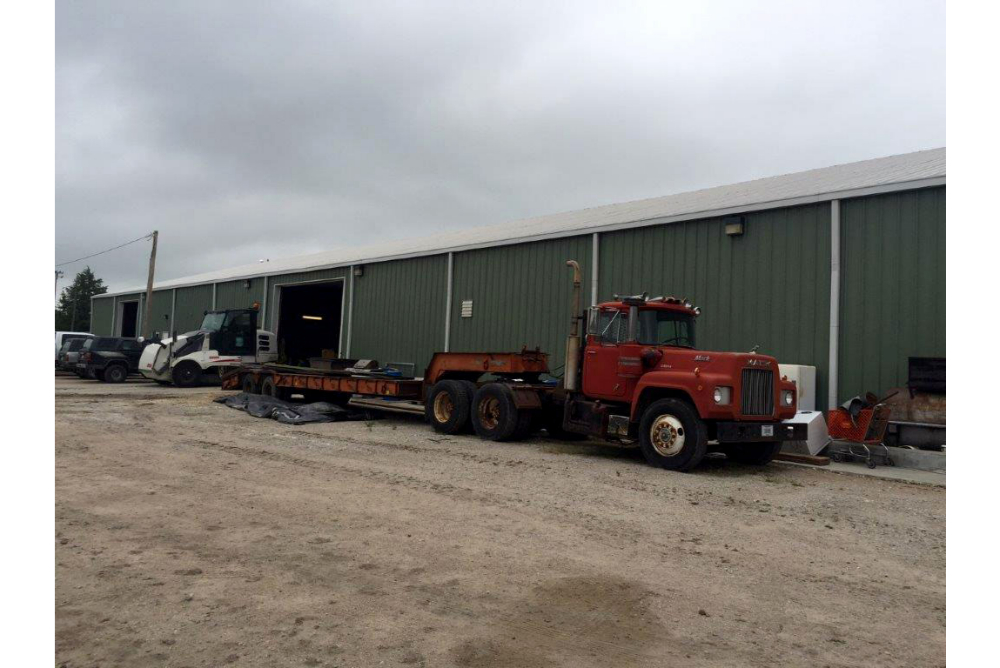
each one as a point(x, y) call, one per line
point(309, 321)
point(130, 314)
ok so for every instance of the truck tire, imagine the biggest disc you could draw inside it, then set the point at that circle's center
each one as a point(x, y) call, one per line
point(186, 374)
point(115, 373)
point(753, 454)
point(494, 415)
point(270, 389)
point(448, 406)
point(249, 385)
point(672, 436)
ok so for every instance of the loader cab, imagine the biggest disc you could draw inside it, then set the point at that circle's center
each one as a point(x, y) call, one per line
point(620, 336)
point(231, 332)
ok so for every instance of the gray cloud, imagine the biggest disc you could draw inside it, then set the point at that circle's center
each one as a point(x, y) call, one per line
point(244, 130)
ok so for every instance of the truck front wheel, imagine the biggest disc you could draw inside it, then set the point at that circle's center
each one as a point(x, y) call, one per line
point(186, 374)
point(754, 454)
point(672, 436)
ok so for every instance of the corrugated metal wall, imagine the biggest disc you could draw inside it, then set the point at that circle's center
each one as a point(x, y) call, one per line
point(770, 286)
point(234, 294)
point(399, 310)
point(271, 310)
point(192, 302)
point(159, 314)
point(100, 316)
point(521, 296)
point(892, 287)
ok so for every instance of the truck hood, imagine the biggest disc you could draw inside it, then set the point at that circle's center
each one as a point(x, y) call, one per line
point(707, 360)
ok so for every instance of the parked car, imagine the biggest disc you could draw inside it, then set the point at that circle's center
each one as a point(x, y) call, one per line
point(63, 337)
point(69, 355)
point(109, 358)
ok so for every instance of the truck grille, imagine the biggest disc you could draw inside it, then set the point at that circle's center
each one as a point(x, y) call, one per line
point(757, 392)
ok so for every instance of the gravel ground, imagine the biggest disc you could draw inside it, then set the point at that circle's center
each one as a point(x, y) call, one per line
point(190, 534)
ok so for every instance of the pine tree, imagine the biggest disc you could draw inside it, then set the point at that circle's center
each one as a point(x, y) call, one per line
point(73, 311)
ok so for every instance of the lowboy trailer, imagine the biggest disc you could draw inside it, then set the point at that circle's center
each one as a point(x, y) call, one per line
point(636, 377)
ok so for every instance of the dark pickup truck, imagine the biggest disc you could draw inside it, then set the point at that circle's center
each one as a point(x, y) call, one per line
point(110, 359)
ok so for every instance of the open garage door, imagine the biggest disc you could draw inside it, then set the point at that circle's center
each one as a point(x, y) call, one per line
point(309, 319)
point(128, 319)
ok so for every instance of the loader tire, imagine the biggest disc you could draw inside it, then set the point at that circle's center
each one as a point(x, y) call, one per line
point(186, 374)
point(448, 406)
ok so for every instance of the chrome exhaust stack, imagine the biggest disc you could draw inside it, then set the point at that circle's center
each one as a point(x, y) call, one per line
point(571, 369)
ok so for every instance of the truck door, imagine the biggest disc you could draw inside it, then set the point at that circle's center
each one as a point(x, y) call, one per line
point(239, 334)
point(600, 358)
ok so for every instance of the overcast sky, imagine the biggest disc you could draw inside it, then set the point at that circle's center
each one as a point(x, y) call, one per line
point(244, 130)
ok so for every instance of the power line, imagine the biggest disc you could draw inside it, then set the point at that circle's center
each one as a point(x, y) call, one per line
point(87, 257)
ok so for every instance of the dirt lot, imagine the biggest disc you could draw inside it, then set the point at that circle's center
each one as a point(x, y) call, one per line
point(190, 534)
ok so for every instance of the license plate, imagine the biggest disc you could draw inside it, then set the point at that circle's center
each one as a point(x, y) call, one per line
point(767, 430)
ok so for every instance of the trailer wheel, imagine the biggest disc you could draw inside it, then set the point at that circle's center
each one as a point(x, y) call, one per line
point(753, 454)
point(448, 406)
point(270, 389)
point(672, 436)
point(494, 415)
point(115, 373)
point(249, 384)
point(186, 374)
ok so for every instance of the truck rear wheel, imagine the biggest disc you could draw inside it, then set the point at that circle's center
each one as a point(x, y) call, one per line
point(672, 436)
point(449, 405)
point(494, 415)
point(754, 454)
point(186, 374)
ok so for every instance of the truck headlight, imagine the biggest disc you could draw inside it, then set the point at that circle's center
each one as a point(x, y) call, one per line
point(787, 397)
point(722, 395)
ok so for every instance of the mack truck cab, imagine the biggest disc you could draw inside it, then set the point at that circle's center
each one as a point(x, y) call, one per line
point(640, 376)
point(226, 339)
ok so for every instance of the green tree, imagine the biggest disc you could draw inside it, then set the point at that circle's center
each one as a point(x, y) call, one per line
point(73, 311)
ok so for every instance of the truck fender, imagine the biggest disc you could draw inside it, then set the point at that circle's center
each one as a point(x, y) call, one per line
point(660, 384)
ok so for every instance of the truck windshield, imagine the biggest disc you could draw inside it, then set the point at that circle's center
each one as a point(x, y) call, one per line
point(213, 321)
point(660, 327)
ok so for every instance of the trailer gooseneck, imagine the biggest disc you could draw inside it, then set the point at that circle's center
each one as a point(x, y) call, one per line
point(634, 376)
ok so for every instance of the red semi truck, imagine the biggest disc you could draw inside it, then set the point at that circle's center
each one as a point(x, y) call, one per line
point(636, 376)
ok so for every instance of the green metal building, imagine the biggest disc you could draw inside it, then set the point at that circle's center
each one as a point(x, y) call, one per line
point(841, 268)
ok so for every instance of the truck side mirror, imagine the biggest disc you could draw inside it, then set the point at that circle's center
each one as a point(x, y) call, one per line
point(593, 316)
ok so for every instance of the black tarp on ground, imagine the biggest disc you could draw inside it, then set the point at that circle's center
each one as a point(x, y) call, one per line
point(286, 412)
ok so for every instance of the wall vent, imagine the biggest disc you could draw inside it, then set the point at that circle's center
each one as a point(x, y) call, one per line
point(467, 308)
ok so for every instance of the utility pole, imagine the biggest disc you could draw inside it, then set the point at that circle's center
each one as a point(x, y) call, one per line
point(146, 321)
point(59, 275)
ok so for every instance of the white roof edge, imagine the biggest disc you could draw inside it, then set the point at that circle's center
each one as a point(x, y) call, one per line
point(926, 172)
